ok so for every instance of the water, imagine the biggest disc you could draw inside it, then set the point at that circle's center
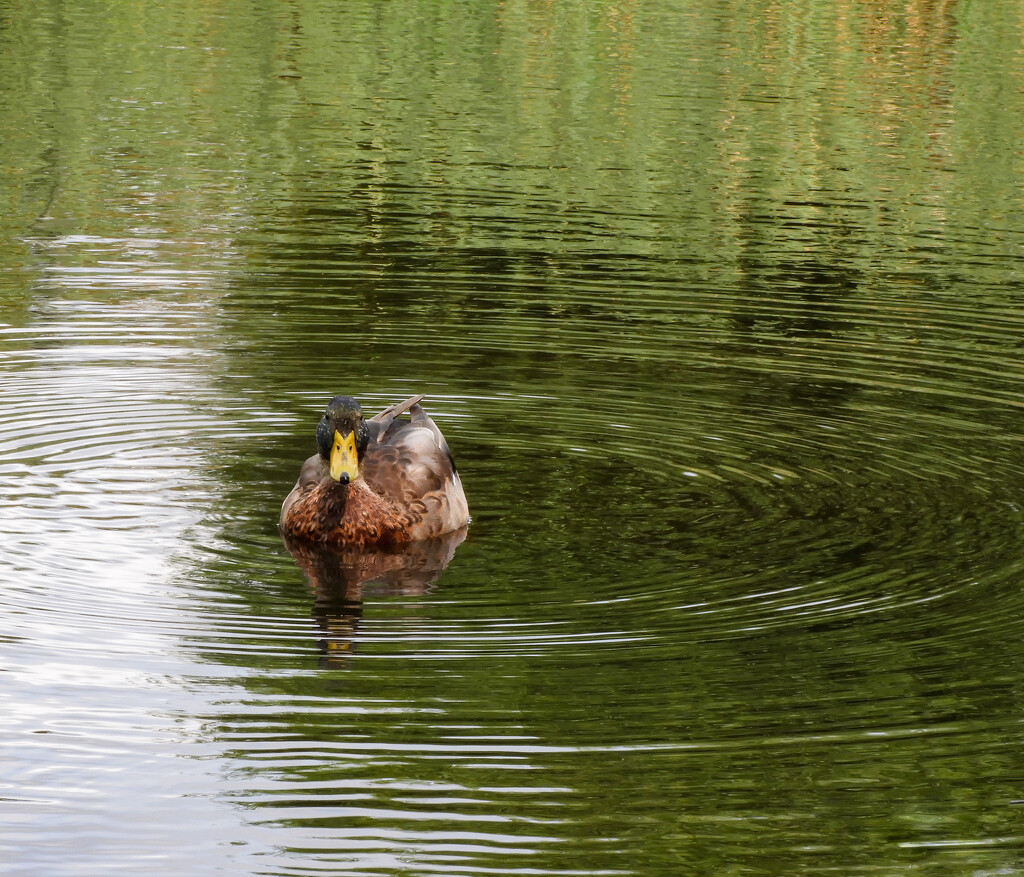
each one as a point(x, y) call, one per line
point(717, 305)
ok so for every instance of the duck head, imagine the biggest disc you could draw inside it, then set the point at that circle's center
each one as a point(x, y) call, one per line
point(341, 437)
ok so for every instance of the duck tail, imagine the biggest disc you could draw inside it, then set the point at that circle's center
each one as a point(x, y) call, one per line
point(388, 415)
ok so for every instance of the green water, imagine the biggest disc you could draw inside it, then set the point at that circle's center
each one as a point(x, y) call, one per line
point(719, 307)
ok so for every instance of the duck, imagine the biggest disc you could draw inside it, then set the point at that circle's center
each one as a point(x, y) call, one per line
point(380, 483)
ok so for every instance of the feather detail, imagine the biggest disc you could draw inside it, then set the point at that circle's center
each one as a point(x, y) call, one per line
point(408, 488)
point(336, 514)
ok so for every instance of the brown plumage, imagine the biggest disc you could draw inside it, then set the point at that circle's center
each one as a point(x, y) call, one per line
point(379, 483)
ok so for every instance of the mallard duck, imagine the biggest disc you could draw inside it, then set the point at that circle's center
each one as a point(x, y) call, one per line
point(379, 483)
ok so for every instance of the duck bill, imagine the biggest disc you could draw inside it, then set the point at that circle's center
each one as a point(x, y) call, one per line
point(344, 458)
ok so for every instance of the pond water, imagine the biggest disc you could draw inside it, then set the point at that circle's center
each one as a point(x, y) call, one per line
point(719, 306)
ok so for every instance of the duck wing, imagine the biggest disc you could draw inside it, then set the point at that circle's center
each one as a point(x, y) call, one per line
point(410, 465)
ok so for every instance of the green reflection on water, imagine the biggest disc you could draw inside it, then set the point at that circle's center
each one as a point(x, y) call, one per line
point(717, 304)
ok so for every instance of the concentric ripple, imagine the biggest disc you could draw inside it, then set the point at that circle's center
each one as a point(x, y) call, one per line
point(718, 305)
point(705, 555)
point(695, 563)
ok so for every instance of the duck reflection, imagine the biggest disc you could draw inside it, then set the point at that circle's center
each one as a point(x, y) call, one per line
point(342, 577)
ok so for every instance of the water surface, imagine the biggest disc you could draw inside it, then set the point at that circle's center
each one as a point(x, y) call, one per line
point(718, 305)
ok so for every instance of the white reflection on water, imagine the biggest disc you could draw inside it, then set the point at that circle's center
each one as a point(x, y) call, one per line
point(103, 765)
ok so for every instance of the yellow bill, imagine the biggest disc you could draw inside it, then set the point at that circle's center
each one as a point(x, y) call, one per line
point(344, 458)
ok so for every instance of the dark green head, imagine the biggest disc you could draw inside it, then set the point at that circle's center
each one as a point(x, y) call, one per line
point(343, 418)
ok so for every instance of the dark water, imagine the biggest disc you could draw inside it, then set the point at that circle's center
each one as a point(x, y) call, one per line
point(720, 308)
